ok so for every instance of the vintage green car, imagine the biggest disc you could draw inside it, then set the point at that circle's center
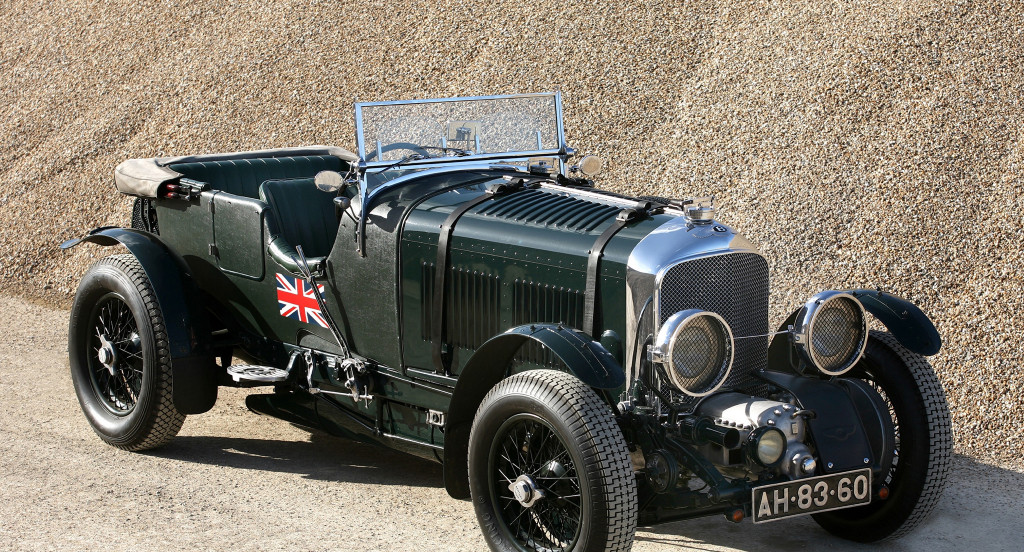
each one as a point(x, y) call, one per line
point(580, 361)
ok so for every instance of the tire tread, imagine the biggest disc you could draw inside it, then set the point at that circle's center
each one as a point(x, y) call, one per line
point(936, 411)
point(164, 421)
point(602, 445)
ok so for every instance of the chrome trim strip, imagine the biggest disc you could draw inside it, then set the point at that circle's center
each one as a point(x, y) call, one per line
point(476, 157)
point(410, 440)
point(459, 99)
point(583, 193)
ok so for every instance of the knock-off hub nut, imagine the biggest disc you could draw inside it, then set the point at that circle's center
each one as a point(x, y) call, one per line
point(525, 490)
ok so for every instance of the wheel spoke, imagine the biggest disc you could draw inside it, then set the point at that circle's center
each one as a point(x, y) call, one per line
point(555, 459)
point(552, 520)
point(521, 514)
point(119, 381)
point(506, 457)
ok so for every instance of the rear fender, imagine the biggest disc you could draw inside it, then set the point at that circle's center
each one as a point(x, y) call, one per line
point(194, 370)
point(583, 357)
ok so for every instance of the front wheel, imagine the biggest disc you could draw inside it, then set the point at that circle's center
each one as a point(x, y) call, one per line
point(120, 364)
point(549, 469)
point(908, 386)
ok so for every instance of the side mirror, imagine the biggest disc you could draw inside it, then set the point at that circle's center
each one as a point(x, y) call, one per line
point(329, 181)
point(591, 165)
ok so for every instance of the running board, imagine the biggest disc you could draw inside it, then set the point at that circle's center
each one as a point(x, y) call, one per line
point(249, 375)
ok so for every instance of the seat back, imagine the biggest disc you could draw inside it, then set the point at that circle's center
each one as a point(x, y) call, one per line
point(244, 176)
point(304, 215)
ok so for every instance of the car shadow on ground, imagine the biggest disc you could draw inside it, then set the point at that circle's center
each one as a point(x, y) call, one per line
point(979, 510)
point(322, 457)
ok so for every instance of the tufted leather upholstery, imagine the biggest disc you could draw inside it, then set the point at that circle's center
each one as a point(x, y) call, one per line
point(302, 215)
point(243, 176)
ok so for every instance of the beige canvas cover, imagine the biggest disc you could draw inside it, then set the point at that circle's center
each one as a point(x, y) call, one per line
point(143, 177)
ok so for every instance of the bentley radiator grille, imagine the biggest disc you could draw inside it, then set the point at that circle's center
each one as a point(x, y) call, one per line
point(735, 286)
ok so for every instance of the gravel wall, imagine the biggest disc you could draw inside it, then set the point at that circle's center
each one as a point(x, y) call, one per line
point(857, 143)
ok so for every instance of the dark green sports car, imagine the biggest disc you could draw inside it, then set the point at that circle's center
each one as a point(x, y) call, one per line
point(580, 361)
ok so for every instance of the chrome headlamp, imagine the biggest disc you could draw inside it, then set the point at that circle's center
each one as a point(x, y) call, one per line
point(696, 347)
point(766, 446)
point(831, 332)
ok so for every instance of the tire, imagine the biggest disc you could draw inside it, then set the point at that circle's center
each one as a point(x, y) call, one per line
point(567, 446)
point(924, 442)
point(118, 352)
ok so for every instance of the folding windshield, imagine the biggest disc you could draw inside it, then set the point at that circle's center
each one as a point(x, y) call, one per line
point(471, 129)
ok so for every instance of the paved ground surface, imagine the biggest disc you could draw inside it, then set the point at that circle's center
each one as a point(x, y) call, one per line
point(233, 480)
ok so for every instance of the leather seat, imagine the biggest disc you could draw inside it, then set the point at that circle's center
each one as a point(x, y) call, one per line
point(299, 215)
point(244, 176)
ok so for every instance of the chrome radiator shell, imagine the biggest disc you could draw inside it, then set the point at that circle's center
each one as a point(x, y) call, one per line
point(707, 266)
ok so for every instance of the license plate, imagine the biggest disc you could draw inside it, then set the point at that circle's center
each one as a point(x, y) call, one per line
point(810, 495)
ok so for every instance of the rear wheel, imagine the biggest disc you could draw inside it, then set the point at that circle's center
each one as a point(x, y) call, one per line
point(908, 386)
point(120, 365)
point(549, 469)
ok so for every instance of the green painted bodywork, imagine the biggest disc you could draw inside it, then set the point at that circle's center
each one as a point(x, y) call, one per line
point(507, 268)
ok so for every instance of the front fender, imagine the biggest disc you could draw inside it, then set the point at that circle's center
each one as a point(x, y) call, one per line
point(904, 320)
point(585, 358)
point(195, 377)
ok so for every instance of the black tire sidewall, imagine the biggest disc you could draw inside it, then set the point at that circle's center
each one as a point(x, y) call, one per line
point(492, 415)
point(882, 518)
point(101, 280)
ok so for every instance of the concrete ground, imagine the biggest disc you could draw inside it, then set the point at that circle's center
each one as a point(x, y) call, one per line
point(233, 480)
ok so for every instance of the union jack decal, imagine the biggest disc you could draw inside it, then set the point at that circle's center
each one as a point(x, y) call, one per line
point(296, 299)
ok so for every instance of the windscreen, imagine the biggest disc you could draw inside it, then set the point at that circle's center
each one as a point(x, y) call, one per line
point(495, 127)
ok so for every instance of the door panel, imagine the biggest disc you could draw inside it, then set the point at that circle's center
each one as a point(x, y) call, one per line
point(238, 234)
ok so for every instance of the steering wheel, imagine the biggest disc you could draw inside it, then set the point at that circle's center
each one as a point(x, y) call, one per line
point(415, 148)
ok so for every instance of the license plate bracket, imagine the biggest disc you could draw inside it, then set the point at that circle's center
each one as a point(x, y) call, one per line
point(811, 495)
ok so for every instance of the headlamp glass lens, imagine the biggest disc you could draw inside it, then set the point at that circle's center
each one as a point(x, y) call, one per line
point(700, 353)
point(836, 335)
point(770, 446)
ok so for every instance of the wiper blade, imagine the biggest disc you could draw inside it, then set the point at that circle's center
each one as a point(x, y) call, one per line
point(406, 159)
point(456, 152)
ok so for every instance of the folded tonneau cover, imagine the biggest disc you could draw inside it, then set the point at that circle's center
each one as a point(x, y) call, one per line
point(143, 177)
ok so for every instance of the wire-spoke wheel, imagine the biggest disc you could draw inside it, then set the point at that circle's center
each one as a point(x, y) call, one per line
point(535, 481)
point(908, 387)
point(549, 469)
point(115, 354)
point(119, 358)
